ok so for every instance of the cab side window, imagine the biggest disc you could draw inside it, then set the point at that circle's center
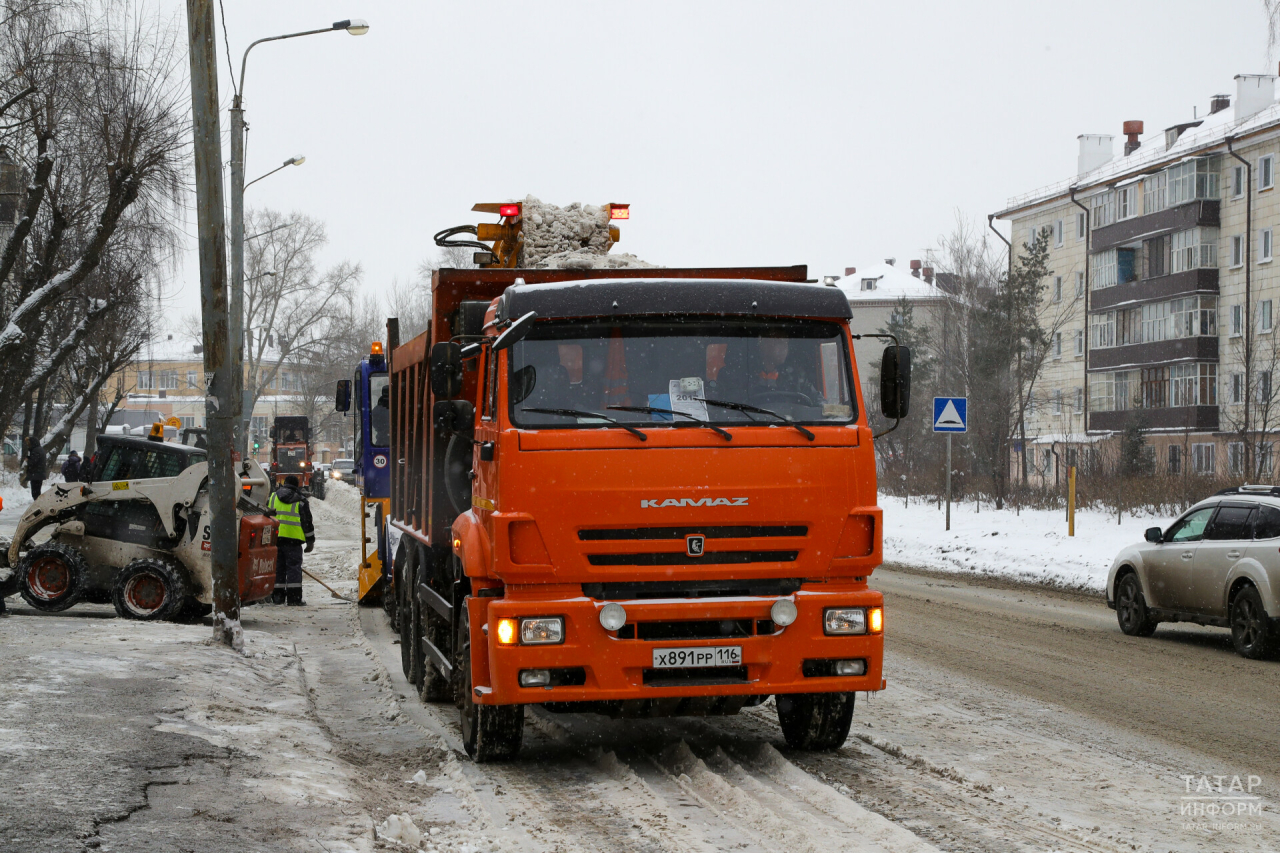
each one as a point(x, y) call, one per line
point(1231, 522)
point(1190, 528)
point(1267, 523)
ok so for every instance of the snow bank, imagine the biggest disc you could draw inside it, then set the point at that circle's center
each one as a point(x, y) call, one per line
point(1032, 546)
point(573, 237)
point(343, 497)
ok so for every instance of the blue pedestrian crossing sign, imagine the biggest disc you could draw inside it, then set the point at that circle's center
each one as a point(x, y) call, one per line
point(950, 414)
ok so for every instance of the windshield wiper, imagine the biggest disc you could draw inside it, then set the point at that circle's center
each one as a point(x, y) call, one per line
point(657, 410)
point(743, 407)
point(579, 413)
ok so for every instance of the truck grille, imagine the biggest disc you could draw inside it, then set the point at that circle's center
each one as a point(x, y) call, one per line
point(716, 532)
point(639, 590)
point(679, 558)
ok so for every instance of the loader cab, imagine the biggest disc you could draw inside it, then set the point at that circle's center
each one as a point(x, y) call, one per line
point(121, 457)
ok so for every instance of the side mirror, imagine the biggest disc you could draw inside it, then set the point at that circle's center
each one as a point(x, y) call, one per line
point(895, 382)
point(342, 396)
point(516, 332)
point(1154, 534)
point(446, 370)
point(455, 417)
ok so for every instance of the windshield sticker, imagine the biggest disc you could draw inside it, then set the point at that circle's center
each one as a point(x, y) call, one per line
point(660, 401)
point(686, 397)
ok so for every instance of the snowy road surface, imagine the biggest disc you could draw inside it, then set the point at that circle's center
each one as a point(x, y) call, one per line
point(1015, 720)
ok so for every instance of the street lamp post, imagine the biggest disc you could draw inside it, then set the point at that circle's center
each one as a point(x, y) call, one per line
point(355, 27)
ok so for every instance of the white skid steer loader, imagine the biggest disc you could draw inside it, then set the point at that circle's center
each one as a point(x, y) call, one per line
point(136, 534)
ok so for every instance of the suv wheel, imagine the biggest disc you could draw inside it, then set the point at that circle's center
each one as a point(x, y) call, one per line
point(1251, 630)
point(149, 590)
point(1131, 608)
point(52, 577)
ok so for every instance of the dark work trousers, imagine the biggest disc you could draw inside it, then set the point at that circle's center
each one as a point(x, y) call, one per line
point(288, 570)
point(36, 487)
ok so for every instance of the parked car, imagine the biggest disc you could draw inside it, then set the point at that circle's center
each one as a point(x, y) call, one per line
point(1218, 564)
point(343, 469)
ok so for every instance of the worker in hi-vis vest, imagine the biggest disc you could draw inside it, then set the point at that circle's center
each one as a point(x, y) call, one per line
point(294, 514)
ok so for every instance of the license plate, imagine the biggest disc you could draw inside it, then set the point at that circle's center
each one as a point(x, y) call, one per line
point(700, 656)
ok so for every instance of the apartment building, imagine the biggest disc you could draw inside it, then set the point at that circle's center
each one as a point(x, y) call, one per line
point(1162, 289)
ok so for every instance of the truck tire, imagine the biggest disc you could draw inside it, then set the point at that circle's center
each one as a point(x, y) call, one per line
point(52, 577)
point(411, 636)
point(815, 721)
point(149, 590)
point(489, 732)
point(436, 686)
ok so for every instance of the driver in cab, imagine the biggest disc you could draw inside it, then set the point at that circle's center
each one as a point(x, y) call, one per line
point(775, 374)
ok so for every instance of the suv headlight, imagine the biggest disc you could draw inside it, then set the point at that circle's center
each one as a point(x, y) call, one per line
point(542, 631)
point(853, 620)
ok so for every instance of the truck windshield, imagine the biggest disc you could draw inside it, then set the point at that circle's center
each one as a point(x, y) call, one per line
point(715, 371)
point(290, 459)
point(380, 410)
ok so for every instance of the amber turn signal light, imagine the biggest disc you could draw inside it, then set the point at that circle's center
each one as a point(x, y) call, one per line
point(506, 631)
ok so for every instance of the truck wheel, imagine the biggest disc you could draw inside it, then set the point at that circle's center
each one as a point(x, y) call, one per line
point(1131, 608)
point(815, 721)
point(411, 637)
point(149, 590)
point(1251, 630)
point(52, 577)
point(489, 732)
point(436, 686)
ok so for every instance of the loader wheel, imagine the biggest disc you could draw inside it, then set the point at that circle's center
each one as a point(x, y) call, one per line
point(149, 590)
point(815, 721)
point(52, 577)
point(489, 732)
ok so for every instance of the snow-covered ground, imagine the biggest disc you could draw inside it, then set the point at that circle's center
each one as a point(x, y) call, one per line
point(1032, 545)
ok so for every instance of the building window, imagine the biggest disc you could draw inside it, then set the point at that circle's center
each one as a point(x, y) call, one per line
point(1267, 172)
point(1155, 255)
point(191, 379)
point(1191, 180)
point(1104, 270)
point(1079, 342)
point(1237, 250)
point(1102, 209)
point(1194, 315)
point(1237, 388)
point(146, 380)
point(1264, 315)
point(1156, 325)
point(1202, 458)
point(188, 421)
point(1264, 245)
point(1235, 457)
point(1127, 390)
point(1057, 344)
point(1193, 249)
point(1237, 320)
point(1102, 392)
point(1264, 386)
point(1079, 399)
point(1031, 238)
point(1237, 182)
point(1265, 460)
point(869, 283)
point(1057, 233)
point(1153, 192)
point(1194, 384)
point(169, 380)
point(1155, 387)
point(1080, 226)
point(1057, 288)
point(1079, 284)
point(1127, 202)
point(1102, 331)
point(1175, 459)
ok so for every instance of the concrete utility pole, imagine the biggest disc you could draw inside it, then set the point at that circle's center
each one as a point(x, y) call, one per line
point(219, 409)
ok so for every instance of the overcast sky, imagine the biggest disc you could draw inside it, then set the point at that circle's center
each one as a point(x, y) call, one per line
point(822, 133)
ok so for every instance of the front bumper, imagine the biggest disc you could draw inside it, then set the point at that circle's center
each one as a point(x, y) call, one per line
point(615, 668)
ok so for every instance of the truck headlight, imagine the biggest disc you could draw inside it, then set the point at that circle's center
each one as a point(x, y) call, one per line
point(844, 620)
point(542, 631)
point(613, 616)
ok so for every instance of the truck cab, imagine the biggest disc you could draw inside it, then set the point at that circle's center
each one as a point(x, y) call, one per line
point(649, 496)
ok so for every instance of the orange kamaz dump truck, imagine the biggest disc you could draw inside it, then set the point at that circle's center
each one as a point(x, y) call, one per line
point(635, 492)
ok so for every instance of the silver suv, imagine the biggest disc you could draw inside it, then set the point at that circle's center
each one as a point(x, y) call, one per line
point(1219, 564)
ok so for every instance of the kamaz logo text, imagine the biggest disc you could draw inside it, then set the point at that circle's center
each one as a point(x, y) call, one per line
point(645, 504)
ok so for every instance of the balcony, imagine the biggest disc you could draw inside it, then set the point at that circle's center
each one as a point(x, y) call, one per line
point(1155, 289)
point(1199, 348)
point(1192, 418)
point(1167, 221)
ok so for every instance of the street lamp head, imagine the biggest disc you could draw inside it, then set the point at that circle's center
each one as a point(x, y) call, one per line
point(355, 26)
point(295, 161)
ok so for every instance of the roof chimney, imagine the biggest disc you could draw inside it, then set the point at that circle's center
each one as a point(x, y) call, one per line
point(1132, 130)
point(915, 268)
point(890, 261)
point(850, 270)
point(1218, 103)
point(1095, 151)
point(1254, 93)
point(927, 272)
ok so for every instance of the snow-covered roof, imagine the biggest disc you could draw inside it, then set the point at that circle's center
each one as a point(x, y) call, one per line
point(890, 283)
point(171, 347)
point(1211, 132)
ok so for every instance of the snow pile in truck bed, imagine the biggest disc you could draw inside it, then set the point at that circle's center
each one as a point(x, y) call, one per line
point(573, 237)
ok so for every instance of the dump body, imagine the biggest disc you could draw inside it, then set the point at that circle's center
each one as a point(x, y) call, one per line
point(697, 525)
